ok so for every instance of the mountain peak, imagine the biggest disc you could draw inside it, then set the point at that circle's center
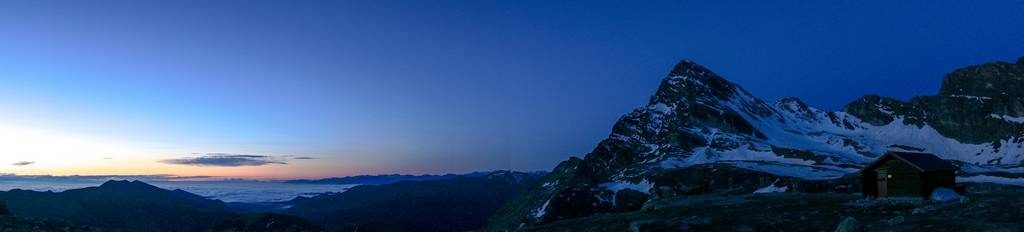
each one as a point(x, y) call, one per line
point(996, 79)
point(126, 184)
point(791, 101)
point(796, 106)
point(687, 68)
point(689, 81)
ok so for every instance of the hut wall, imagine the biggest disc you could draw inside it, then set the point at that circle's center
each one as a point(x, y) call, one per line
point(906, 180)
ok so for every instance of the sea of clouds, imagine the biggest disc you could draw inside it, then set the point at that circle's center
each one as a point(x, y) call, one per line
point(231, 190)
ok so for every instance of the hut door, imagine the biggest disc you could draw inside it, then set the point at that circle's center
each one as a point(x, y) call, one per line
point(883, 190)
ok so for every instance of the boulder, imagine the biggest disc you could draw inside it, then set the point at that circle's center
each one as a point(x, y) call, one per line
point(945, 195)
point(896, 220)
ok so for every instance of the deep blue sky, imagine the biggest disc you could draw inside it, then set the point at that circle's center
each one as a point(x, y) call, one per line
point(448, 86)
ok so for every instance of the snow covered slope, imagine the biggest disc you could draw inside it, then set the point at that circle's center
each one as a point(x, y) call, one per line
point(697, 117)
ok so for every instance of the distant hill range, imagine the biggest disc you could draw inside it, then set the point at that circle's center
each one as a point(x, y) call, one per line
point(373, 179)
point(460, 203)
point(386, 179)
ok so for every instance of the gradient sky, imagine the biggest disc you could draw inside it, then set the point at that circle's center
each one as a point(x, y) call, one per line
point(365, 87)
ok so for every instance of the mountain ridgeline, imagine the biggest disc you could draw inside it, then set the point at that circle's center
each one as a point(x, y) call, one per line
point(374, 179)
point(700, 133)
point(393, 178)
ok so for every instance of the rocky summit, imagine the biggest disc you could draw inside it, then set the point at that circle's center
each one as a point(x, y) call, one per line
point(700, 133)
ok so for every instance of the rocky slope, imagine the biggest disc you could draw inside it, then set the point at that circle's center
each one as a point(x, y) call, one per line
point(698, 120)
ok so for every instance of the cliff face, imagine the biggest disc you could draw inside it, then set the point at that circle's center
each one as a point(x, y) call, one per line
point(697, 120)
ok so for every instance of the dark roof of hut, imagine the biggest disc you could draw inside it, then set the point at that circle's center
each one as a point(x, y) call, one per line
point(924, 162)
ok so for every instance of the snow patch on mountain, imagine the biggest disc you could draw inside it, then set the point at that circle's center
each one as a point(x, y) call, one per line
point(968, 168)
point(991, 179)
point(932, 141)
point(643, 186)
point(539, 212)
point(979, 98)
point(660, 108)
point(799, 171)
point(837, 137)
point(1012, 119)
point(772, 189)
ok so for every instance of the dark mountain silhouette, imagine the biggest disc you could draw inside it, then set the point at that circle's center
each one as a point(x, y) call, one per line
point(121, 205)
point(459, 204)
point(136, 206)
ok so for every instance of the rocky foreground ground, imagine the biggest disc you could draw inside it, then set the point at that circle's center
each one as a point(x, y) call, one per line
point(983, 208)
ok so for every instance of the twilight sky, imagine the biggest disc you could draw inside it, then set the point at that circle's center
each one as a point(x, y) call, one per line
point(283, 89)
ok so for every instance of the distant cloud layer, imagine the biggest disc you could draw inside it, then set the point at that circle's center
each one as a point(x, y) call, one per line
point(227, 160)
point(23, 163)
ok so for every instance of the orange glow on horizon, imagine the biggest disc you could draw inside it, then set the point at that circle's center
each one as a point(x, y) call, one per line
point(52, 153)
